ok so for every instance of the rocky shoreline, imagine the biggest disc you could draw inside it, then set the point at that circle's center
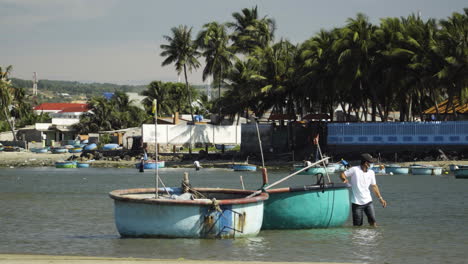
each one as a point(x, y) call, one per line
point(30, 159)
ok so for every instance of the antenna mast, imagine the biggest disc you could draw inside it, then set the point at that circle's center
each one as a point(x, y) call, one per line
point(34, 92)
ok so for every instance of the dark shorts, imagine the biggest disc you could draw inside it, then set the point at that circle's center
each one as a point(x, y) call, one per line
point(358, 211)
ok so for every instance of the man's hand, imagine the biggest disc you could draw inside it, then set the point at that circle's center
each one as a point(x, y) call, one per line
point(383, 202)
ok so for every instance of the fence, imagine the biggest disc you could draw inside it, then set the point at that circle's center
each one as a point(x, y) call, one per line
point(194, 134)
point(404, 133)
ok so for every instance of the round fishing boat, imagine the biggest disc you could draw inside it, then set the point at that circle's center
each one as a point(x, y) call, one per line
point(426, 170)
point(82, 164)
point(39, 150)
point(461, 173)
point(91, 146)
point(151, 164)
point(244, 167)
point(65, 164)
point(396, 169)
point(216, 213)
point(310, 206)
point(59, 150)
point(75, 150)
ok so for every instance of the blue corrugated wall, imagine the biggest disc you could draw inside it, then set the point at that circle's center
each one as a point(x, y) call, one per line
point(398, 133)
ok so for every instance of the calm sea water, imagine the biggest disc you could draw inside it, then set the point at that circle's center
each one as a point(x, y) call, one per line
point(68, 212)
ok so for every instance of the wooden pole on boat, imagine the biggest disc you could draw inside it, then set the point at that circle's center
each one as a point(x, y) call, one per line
point(155, 110)
point(260, 143)
point(287, 177)
point(324, 165)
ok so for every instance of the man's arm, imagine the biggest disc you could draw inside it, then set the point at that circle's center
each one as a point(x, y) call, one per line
point(376, 191)
point(343, 177)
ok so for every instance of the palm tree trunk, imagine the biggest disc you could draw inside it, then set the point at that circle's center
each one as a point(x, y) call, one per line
point(5, 112)
point(189, 92)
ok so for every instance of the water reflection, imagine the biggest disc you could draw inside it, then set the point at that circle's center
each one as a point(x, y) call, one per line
point(366, 242)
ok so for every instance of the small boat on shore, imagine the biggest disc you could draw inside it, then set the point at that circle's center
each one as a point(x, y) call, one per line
point(214, 213)
point(225, 146)
point(65, 164)
point(461, 173)
point(425, 170)
point(39, 150)
point(151, 164)
point(396, 169)
point(83, 164)
point(75, 150)
point(244, 167)
point(57, 150)
point(91, 146)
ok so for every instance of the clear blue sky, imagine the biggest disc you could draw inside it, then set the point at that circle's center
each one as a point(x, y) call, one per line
point(118, 41)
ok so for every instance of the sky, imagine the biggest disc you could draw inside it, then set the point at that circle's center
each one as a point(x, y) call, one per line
point(117, 41)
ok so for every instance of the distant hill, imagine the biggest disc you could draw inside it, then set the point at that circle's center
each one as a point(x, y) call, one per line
point(76, 88)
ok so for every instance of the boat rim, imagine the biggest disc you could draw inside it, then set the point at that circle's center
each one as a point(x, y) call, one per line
point(312, 187)
point(119, 195)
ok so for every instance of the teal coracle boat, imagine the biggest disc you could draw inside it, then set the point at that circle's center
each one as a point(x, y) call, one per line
point(311, 206)
point(244, 167)
point(461, 173)
point(396, 169)
point(65, 164)
point(426, 170)
point(221, 213)
point(82, 164)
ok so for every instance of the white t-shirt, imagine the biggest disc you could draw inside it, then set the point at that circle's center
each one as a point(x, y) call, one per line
point(360, 182)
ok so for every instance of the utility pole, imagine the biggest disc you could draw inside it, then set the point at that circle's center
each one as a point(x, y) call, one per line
point(34, 92)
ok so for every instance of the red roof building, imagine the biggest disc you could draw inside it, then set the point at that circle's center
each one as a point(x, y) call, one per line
point(61, 108)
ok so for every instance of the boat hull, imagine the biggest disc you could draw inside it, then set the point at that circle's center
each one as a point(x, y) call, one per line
point(426, 170)
point(65, 165)
point(244, 167)
point(82, 165)
point(461, 173)
point(396, 170)
point(151, 165)
point(140, 215)
point(313, 206)
point(58, 150)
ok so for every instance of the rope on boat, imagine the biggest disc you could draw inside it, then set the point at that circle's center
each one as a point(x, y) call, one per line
point(260, 143)
point(187, 188)
point(287, 177)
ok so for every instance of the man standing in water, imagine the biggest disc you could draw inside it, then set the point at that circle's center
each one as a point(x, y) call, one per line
point(361, 178)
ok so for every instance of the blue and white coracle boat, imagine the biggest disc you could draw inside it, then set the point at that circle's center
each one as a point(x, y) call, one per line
point(244, 167)
point(151, 164)
point(221, 213)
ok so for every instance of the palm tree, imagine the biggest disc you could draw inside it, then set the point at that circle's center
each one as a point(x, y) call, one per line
point(7, 96)
point(182, 51)
point(250, 31)
point(356, 49)
point(213, 40)
point(453, 48)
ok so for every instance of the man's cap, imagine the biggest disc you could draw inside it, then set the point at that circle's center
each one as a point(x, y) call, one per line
point(367, 157)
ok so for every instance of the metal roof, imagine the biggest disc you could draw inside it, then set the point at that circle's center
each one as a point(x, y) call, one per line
point(460, 109)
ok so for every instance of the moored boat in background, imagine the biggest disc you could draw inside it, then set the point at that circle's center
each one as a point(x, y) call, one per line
point(244, 167)
point(151, 164)
point(65, 164)
point(396, 169)
point(461, 173)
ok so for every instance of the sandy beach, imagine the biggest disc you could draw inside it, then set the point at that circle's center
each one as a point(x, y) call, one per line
point(43, 259)
point(31, 159)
